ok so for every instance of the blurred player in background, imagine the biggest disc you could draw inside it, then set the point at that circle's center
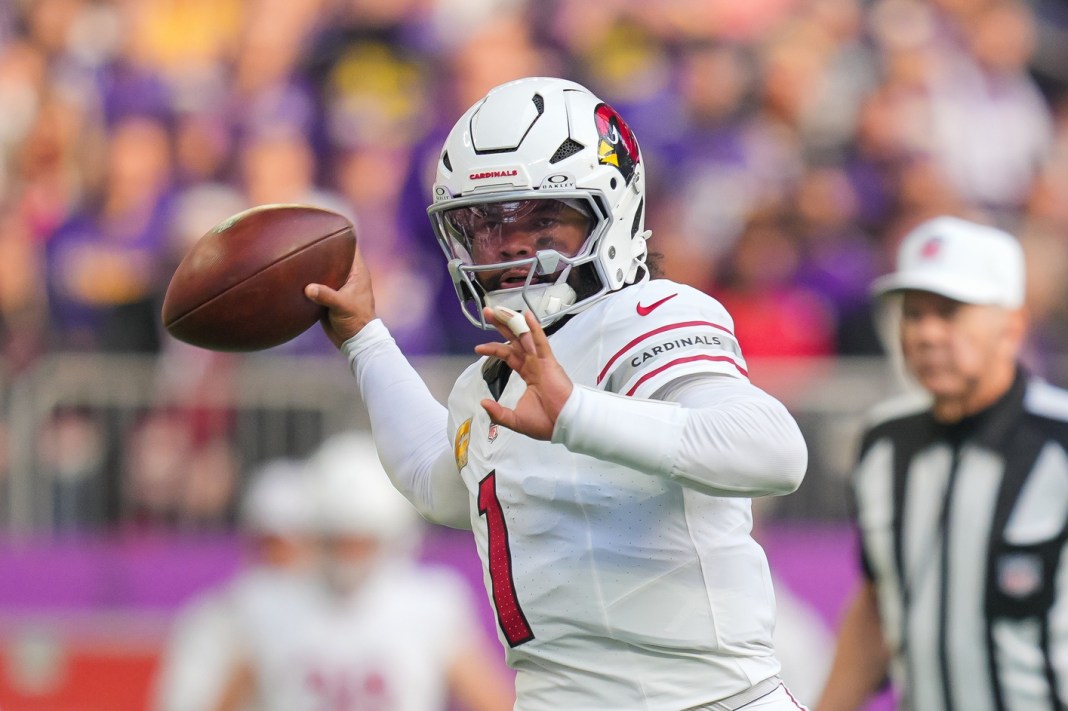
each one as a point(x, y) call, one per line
point(206, 640)
point(373, 630)
point(962, 495)
point(605, 464)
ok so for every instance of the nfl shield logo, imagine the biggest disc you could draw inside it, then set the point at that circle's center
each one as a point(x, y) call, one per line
point(492, 432)
point(1019, 574)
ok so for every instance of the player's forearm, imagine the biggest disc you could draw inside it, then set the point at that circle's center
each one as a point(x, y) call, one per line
point(718, 435)
point(409, 427)
point(861, 659)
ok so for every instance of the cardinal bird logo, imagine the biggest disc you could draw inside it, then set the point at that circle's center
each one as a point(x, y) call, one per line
point(617, 145)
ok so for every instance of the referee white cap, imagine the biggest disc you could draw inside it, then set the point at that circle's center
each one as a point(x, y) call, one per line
point(961, 260)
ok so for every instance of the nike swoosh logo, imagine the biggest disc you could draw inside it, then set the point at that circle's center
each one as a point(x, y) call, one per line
point(646, 310)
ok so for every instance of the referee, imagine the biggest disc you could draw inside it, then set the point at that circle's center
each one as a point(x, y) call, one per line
point(962, 496)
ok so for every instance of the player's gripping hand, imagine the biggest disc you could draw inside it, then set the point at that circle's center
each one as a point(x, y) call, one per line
point(527, 352)
point(349, 308)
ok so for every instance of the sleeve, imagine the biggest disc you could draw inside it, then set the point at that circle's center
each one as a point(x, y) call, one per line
point(716, 434)
point(409, 427)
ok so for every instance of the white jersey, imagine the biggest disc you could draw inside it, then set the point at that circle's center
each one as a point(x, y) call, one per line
point(201, 652)
point(214, 632)
point(387, 647)
point(593, 567)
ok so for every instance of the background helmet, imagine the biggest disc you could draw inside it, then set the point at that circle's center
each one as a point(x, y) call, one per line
point(353, 496)
point(364, 523)
point(542, 139)
point(277, 500)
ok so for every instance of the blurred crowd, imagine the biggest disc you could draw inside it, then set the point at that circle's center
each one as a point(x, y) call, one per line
point(789, 144)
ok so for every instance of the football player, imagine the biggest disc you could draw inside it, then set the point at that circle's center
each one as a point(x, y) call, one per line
point(375, 630)
point(605, 452)
point(209, 636)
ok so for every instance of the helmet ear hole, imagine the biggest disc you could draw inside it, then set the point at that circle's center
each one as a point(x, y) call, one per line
point(613, 183)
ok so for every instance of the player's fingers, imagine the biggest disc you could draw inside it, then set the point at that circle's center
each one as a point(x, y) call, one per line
point(538, 342)
point(493, 350)
point(502, 328)
point(515, 326)
point(512, 323)
point(534, 340)
point(321, 294)
point(499, 414)
point(511, 353)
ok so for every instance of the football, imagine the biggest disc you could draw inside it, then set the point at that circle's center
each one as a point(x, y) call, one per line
point(241, 286)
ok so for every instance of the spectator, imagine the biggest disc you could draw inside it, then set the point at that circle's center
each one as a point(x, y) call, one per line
point(103, 263)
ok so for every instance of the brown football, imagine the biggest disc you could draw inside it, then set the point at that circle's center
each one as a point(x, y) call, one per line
point(241, 286)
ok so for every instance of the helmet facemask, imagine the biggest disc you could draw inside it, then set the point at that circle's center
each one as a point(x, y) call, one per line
point(525, 251)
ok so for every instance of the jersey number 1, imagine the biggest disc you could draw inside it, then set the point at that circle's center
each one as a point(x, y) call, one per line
point(509, 614)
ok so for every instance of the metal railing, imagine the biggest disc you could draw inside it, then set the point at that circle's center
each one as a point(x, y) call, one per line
point(73, 421)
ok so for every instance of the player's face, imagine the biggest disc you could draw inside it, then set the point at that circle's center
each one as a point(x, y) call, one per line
point(958, 352)
point(503, 232)
point(347, 561)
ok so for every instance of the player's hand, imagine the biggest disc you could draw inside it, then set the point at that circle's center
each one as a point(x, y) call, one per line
point(349, 308)
point(529, 355)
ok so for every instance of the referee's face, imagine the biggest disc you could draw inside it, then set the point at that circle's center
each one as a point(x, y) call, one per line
point(963, 354)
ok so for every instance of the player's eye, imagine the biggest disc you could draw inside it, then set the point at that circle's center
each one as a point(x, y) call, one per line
point(544, 242)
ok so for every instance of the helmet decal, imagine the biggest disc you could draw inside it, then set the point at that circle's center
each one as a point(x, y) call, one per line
point(617, 145)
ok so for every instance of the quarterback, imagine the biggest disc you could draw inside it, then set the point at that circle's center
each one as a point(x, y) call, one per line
point(604, 453)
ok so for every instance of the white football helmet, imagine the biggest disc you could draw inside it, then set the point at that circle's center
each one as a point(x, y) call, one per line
point(531, 154)
point(352, 494)
point(277, 501)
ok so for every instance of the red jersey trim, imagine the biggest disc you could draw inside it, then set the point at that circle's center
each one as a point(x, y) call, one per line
point(650, 334)
point(690, 359)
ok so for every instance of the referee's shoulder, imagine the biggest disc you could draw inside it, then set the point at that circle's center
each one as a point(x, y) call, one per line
point(1047, 401)
point(897, 408)
point(894, 418)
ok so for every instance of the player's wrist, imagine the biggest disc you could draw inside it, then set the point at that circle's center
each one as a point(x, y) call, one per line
point(372, 334)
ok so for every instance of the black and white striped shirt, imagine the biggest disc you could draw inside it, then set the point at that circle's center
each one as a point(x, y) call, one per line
point(963, 531)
